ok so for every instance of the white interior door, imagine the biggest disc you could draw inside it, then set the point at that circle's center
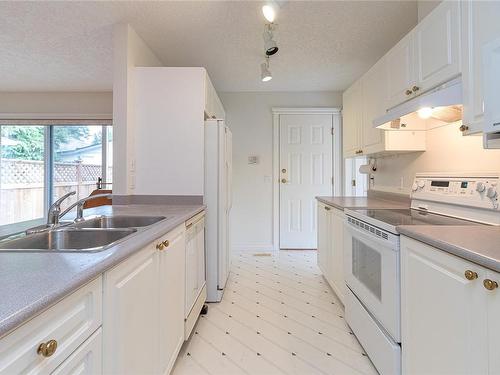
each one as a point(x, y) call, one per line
point(305, 172)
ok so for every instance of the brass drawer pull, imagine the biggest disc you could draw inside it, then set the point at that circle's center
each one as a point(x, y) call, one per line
point(327, 208)
point(46, 349)
point(415, 88)
point(408, 92)
point(166, 243)
point(490, 284)
point(160, 246)
point(470, 275)
point(189, 225)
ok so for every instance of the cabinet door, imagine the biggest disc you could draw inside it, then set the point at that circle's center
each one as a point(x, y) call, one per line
point(443, 314)
point(200, 249)
point(337, 253)
point(172, 294)
point(374, 105)
point(131, 315)
point(480, 26)
point(493, 297)
point(437, 45)
point(400, 71)
point(86, 360)
point(352, 120)
point(323, 238)
point(191, 269)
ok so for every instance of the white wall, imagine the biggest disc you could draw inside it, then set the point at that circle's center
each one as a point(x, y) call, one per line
point(129, 51)
point(92, 104)
point(447, 151)
point(249, 116)
point(424, 7)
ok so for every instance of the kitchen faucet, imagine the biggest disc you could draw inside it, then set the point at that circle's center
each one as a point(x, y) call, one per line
point(79, 206)
point(55, 209)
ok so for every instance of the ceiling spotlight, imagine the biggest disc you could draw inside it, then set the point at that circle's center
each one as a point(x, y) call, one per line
point(265, 73)
point(270, 45)
point(269, 12)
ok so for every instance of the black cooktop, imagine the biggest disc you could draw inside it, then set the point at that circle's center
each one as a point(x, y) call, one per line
point(412, 217)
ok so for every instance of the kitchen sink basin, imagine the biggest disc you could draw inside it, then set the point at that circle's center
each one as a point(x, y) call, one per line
point(68, 240)
point(119, 221)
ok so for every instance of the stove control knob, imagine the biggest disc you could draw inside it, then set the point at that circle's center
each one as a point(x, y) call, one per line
point(414, 187)
point(492, 193)
point(421, 183)
point(480, 187)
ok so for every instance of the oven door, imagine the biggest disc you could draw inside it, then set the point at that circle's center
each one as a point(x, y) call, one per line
point(372, 272)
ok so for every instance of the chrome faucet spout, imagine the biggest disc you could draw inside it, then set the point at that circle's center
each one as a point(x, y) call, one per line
point(55, 209)
point(79, 205)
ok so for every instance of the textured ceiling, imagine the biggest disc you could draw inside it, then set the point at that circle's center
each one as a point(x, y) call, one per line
point(61, 46)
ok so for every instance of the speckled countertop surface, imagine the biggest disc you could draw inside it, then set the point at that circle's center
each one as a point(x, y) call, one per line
point(32, 282)
point(363, 202)
point(479, 244)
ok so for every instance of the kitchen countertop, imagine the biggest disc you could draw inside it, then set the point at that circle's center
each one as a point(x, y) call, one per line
point(479, 244)
point(363, 202)
point(31, 282)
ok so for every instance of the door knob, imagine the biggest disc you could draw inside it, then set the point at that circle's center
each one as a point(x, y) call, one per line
point(284, 181)
point(46, 349)
point(470, 275)
point(490, 284)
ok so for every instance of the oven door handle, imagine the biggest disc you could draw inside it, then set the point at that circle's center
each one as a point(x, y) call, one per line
point(358, 233)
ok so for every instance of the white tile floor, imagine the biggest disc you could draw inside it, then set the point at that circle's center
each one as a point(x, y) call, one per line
point(278, 316)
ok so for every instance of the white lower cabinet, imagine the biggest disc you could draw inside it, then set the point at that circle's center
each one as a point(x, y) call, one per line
point(195, 271)
point(172, 292)
point(86, 360)
point(60, 330)
point(449, 317)
point(131, 315)
point(331, 247)
point(143, 321)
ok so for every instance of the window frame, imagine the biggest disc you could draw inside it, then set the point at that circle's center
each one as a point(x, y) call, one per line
point(49, 161)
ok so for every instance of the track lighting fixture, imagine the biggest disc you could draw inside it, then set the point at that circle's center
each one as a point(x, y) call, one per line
point(265, 73)
point(270, 46)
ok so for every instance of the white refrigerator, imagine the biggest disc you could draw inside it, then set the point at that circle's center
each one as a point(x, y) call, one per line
point(217, 198)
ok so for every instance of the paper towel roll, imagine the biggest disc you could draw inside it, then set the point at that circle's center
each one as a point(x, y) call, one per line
point(366, 169)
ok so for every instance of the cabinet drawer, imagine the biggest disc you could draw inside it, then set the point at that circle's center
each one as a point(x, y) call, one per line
point(86, 360)
point(69, 322)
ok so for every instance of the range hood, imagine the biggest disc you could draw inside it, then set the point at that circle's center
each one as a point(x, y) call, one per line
point(437, 107)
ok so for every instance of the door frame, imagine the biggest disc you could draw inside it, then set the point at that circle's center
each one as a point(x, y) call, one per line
point(337, 167)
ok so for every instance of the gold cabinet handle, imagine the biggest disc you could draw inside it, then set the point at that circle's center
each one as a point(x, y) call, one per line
point(283, 180)
point(408, 92)
point(160, 246)
point(415, 88)
point(166, 243)
point(490, 284)
point(189, 225)
point(46, 349)
point(463, 128)
point(470, 275)
point(327, 208)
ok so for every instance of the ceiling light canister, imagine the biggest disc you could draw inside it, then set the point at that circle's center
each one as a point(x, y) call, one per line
point(270, 46)
point(265, 73)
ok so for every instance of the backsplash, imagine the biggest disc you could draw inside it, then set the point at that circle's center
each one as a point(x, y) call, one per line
point(447, 151)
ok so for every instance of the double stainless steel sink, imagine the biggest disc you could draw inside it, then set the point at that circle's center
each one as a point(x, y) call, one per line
point(92, 235)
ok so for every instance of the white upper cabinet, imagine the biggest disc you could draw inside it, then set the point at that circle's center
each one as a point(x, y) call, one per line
point(480, 26)
point(352, 120)
point(437, 47)
point(374, 102)
point(400, 72)
point(428, 56)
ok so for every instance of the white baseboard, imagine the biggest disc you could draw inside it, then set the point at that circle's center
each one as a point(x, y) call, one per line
point(250, 248)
